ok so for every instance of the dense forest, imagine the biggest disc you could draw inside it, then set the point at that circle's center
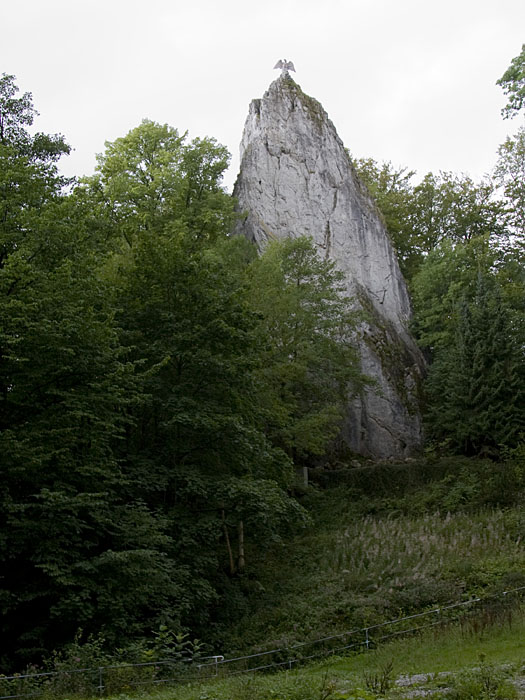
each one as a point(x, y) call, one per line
point(161, 381)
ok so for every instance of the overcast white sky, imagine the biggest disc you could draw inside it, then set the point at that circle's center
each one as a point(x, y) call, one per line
point(409, 81)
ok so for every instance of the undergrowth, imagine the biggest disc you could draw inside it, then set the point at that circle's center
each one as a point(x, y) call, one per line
point(385, 541)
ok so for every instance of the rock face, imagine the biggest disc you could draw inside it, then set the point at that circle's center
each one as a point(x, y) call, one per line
point(296, 179)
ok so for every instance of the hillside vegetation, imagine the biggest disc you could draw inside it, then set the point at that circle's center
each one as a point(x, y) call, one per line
point(386, 541)
point(456, 664)
point(382, 542)
point(162, 383)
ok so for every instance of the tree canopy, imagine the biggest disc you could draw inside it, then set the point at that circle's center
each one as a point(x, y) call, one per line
point(309, 367)
point(419, 217)
point(513, 84)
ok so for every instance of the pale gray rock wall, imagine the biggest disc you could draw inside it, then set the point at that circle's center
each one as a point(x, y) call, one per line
point(296, 179)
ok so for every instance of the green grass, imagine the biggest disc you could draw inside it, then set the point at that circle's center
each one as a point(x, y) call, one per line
point(454, 649)
point(450, 649)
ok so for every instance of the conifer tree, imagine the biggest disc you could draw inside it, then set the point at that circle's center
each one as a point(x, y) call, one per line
point(476, 387)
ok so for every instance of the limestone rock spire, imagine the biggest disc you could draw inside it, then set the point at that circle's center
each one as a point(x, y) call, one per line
point(296, 178)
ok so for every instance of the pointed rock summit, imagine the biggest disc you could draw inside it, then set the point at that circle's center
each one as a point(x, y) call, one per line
point(297, 179)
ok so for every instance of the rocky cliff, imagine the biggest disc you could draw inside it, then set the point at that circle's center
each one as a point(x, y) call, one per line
point(296, 178)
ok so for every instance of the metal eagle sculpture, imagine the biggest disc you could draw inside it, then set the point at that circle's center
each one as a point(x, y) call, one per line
point(284, 65)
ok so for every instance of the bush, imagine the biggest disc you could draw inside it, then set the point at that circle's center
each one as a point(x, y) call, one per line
point(484, 683)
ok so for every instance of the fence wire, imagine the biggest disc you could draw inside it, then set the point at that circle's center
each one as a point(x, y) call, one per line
point(104, 680)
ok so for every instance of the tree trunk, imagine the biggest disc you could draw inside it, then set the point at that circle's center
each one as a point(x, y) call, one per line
point(241, 561)
point(228, 545)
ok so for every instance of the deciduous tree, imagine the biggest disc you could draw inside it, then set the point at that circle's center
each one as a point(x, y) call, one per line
point(307, 338)
point(440, 207)
point(510, 176)
point(513, 84)
point(73, 548)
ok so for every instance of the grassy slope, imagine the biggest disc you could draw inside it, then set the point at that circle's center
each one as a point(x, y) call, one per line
point(451, 650)
point(385, 541)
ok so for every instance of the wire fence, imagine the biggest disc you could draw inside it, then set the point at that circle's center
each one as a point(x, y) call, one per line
point(117, 678)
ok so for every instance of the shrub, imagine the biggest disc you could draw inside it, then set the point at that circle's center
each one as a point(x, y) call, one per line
point(484, 683)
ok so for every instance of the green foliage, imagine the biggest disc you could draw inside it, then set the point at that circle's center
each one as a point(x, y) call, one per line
point(473, 550)
point(357, 694)
point(509, 174)
point(444, 207)
point(391, 539)
point(152, 180)
point(309, 366)
point(76, 372)
point(29, 178)
point(290, 686)
point(453, 207)
point(65, 385)
point(196, 447)
point(475, 386)
point(449, 233)
point(435, 483)
point(448, 274)
point(15, 112)
point(379, 680)
point(175, 646)
point(484, 683)
point(513, 84)
point(80, 653)
point(468, 303)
